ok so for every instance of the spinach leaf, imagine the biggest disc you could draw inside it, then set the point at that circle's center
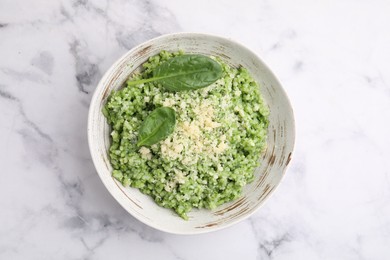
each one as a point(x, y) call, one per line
point(186, 72)
point(157, 126)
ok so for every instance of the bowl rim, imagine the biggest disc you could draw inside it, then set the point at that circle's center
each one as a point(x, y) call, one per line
point(94, 101)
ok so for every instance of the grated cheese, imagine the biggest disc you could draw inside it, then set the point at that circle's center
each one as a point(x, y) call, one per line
point(145, 153)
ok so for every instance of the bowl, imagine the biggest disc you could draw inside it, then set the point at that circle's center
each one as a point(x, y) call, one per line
point(274, 162)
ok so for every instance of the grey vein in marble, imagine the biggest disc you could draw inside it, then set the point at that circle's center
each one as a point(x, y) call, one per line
point(86, 72)
point(44, 61)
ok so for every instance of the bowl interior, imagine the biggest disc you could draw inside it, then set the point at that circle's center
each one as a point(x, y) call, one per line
point(281, 135)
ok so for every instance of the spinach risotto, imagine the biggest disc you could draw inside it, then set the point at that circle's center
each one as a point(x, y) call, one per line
point(185, 143)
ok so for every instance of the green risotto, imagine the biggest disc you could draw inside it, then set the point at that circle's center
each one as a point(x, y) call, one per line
point(218, 136)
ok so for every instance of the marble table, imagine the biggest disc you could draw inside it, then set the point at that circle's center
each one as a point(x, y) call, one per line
point(332, 58)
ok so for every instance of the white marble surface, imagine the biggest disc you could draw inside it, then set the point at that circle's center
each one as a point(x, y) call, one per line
point(333, 58)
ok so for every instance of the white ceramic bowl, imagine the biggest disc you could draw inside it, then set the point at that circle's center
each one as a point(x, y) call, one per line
point(281, 134)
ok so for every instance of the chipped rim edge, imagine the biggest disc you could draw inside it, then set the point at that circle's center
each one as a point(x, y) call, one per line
point(94, 100)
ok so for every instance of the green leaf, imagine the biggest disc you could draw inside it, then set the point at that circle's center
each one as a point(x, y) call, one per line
point(157, 126)
point(185, 72)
